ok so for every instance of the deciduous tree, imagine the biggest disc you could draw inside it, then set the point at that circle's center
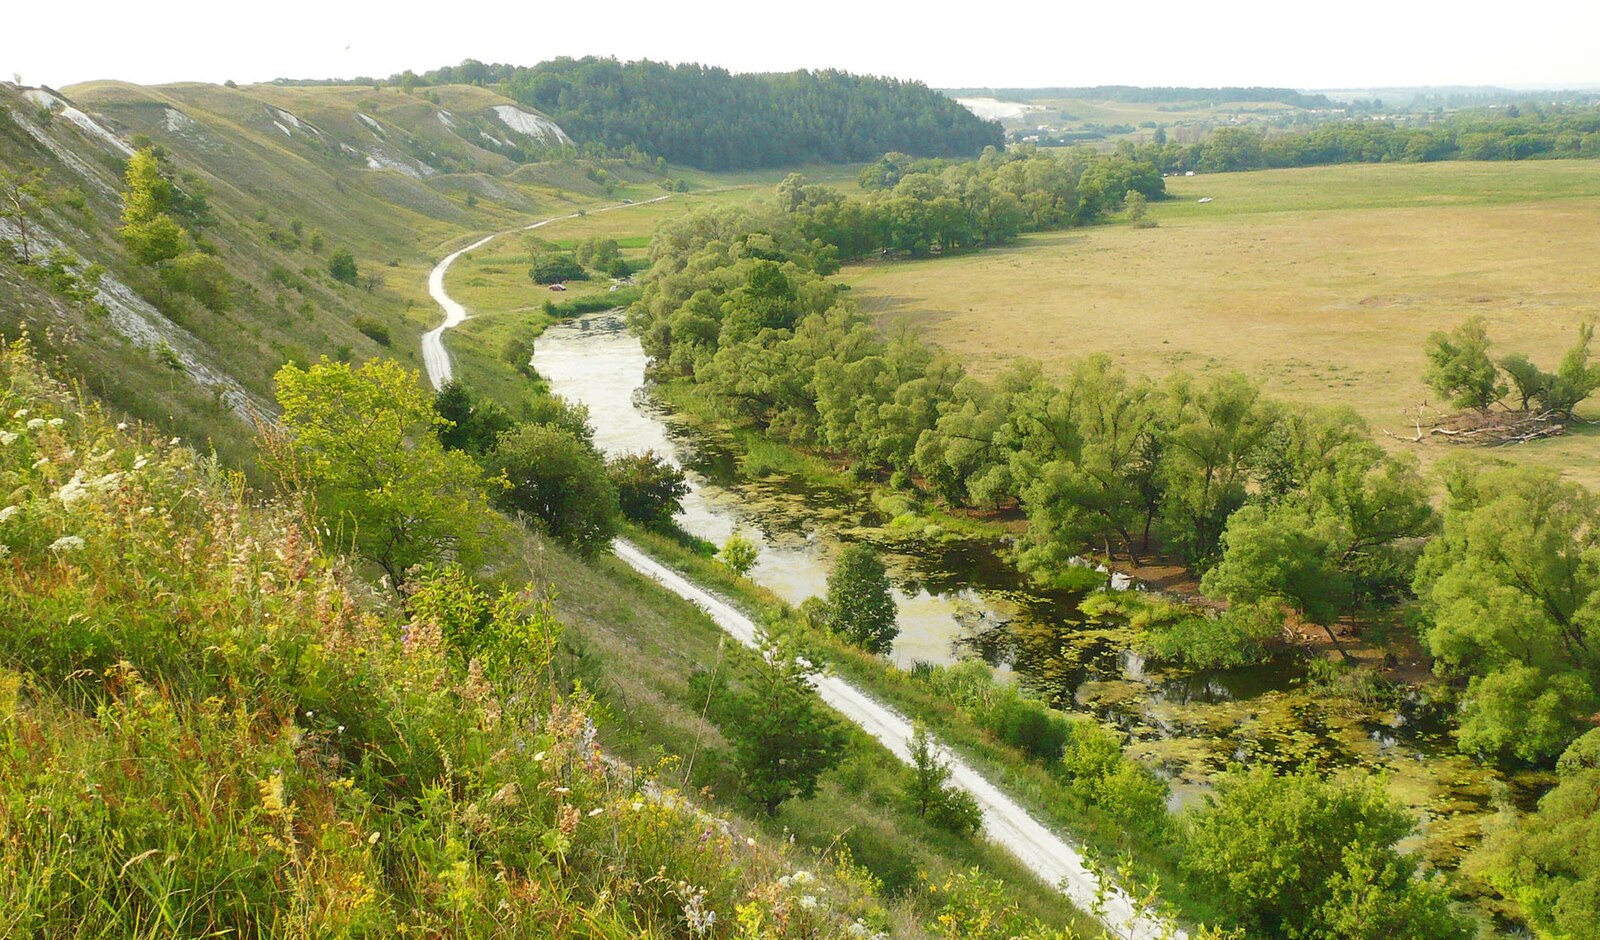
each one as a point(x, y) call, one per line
point(361, 442)
point(557, 480)
point(860, 603)
point(1511, 594)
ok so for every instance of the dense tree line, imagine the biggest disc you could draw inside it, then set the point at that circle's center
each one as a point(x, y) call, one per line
point(1509, 134)
point(716, 119)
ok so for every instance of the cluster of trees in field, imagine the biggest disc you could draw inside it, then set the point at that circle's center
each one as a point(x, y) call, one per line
point(551, 264)
point(1282, 507)
point(1509, 134)
point(918, 206)
point(718, 120)
point(1461, 369)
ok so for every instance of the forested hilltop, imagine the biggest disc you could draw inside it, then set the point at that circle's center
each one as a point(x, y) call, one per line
point(719, 120)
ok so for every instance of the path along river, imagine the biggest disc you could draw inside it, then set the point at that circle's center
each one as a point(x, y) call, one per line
point(962, 599)
point(621, 427)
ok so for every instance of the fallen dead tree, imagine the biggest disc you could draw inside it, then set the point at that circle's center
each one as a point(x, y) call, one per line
point(1483, 428)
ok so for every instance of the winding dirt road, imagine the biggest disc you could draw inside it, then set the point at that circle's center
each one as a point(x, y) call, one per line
point(434, 356)
point(1050, 857)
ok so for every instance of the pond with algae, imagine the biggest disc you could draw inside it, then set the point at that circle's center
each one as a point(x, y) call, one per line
point(961, 598)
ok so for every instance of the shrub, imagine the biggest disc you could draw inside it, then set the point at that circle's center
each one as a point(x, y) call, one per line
point(784, 738)
point(557, 480)
point(1300, 856)
point(555, 267)
point(650, 490)
point(202, 277)
point(860, 605)
point(1099, 772)
point(361, 440)
point(373, 330)
point(342, 266)
point(739, 554)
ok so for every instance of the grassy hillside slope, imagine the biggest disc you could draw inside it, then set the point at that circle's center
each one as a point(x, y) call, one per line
point(289, 175)
point(231, 734)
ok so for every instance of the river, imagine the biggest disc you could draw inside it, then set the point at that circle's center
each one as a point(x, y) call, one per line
point(962, 599)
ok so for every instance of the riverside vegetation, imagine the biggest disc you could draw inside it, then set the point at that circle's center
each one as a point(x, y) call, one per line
point(1286, 510)
point(343, 711)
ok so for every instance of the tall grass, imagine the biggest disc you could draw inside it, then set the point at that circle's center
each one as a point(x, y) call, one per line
point(209, 726)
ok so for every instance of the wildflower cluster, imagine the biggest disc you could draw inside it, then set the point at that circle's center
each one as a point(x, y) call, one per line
point(208, 722)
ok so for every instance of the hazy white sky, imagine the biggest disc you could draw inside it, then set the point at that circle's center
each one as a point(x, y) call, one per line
point(1356, 43)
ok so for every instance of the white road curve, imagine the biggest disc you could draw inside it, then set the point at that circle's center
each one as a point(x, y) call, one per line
point(1008, 824)
point(435, 358)
point(1044, 853)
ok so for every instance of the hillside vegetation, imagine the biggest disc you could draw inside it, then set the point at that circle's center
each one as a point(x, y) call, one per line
point(230, 733)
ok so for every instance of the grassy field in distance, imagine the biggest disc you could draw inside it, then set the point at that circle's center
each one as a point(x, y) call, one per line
point(1322, 282)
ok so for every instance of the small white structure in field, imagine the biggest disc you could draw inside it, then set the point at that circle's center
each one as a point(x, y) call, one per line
point(1188, 173)
point(1204, 199)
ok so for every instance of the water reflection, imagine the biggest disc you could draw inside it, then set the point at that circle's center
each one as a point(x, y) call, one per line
point(962, 599)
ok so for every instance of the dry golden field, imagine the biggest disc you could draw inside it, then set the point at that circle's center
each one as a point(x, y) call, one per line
point(1322, 282)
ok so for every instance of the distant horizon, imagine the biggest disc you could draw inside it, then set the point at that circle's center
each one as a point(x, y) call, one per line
point(1364, 44)
point(992, 88)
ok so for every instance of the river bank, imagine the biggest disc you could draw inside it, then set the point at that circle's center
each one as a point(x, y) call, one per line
point(960, 598)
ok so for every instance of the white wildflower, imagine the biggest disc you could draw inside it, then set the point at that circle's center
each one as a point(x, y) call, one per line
point(802, 877)
point(56, 422)
point(563, 790)
point(41, 462)
point(173, 442)
point(539, 756)
point(66, 543)
point(122, 425)
point(595, 812)
point(6, 437)
point(21, 413)
point(73, 490)
point(7, 513)
point(637, 806)
point(750, 841)
point(35, 424)
point(808, 903)
point(140, 463)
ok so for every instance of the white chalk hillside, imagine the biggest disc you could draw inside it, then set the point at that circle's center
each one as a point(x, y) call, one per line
point(537, 126)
